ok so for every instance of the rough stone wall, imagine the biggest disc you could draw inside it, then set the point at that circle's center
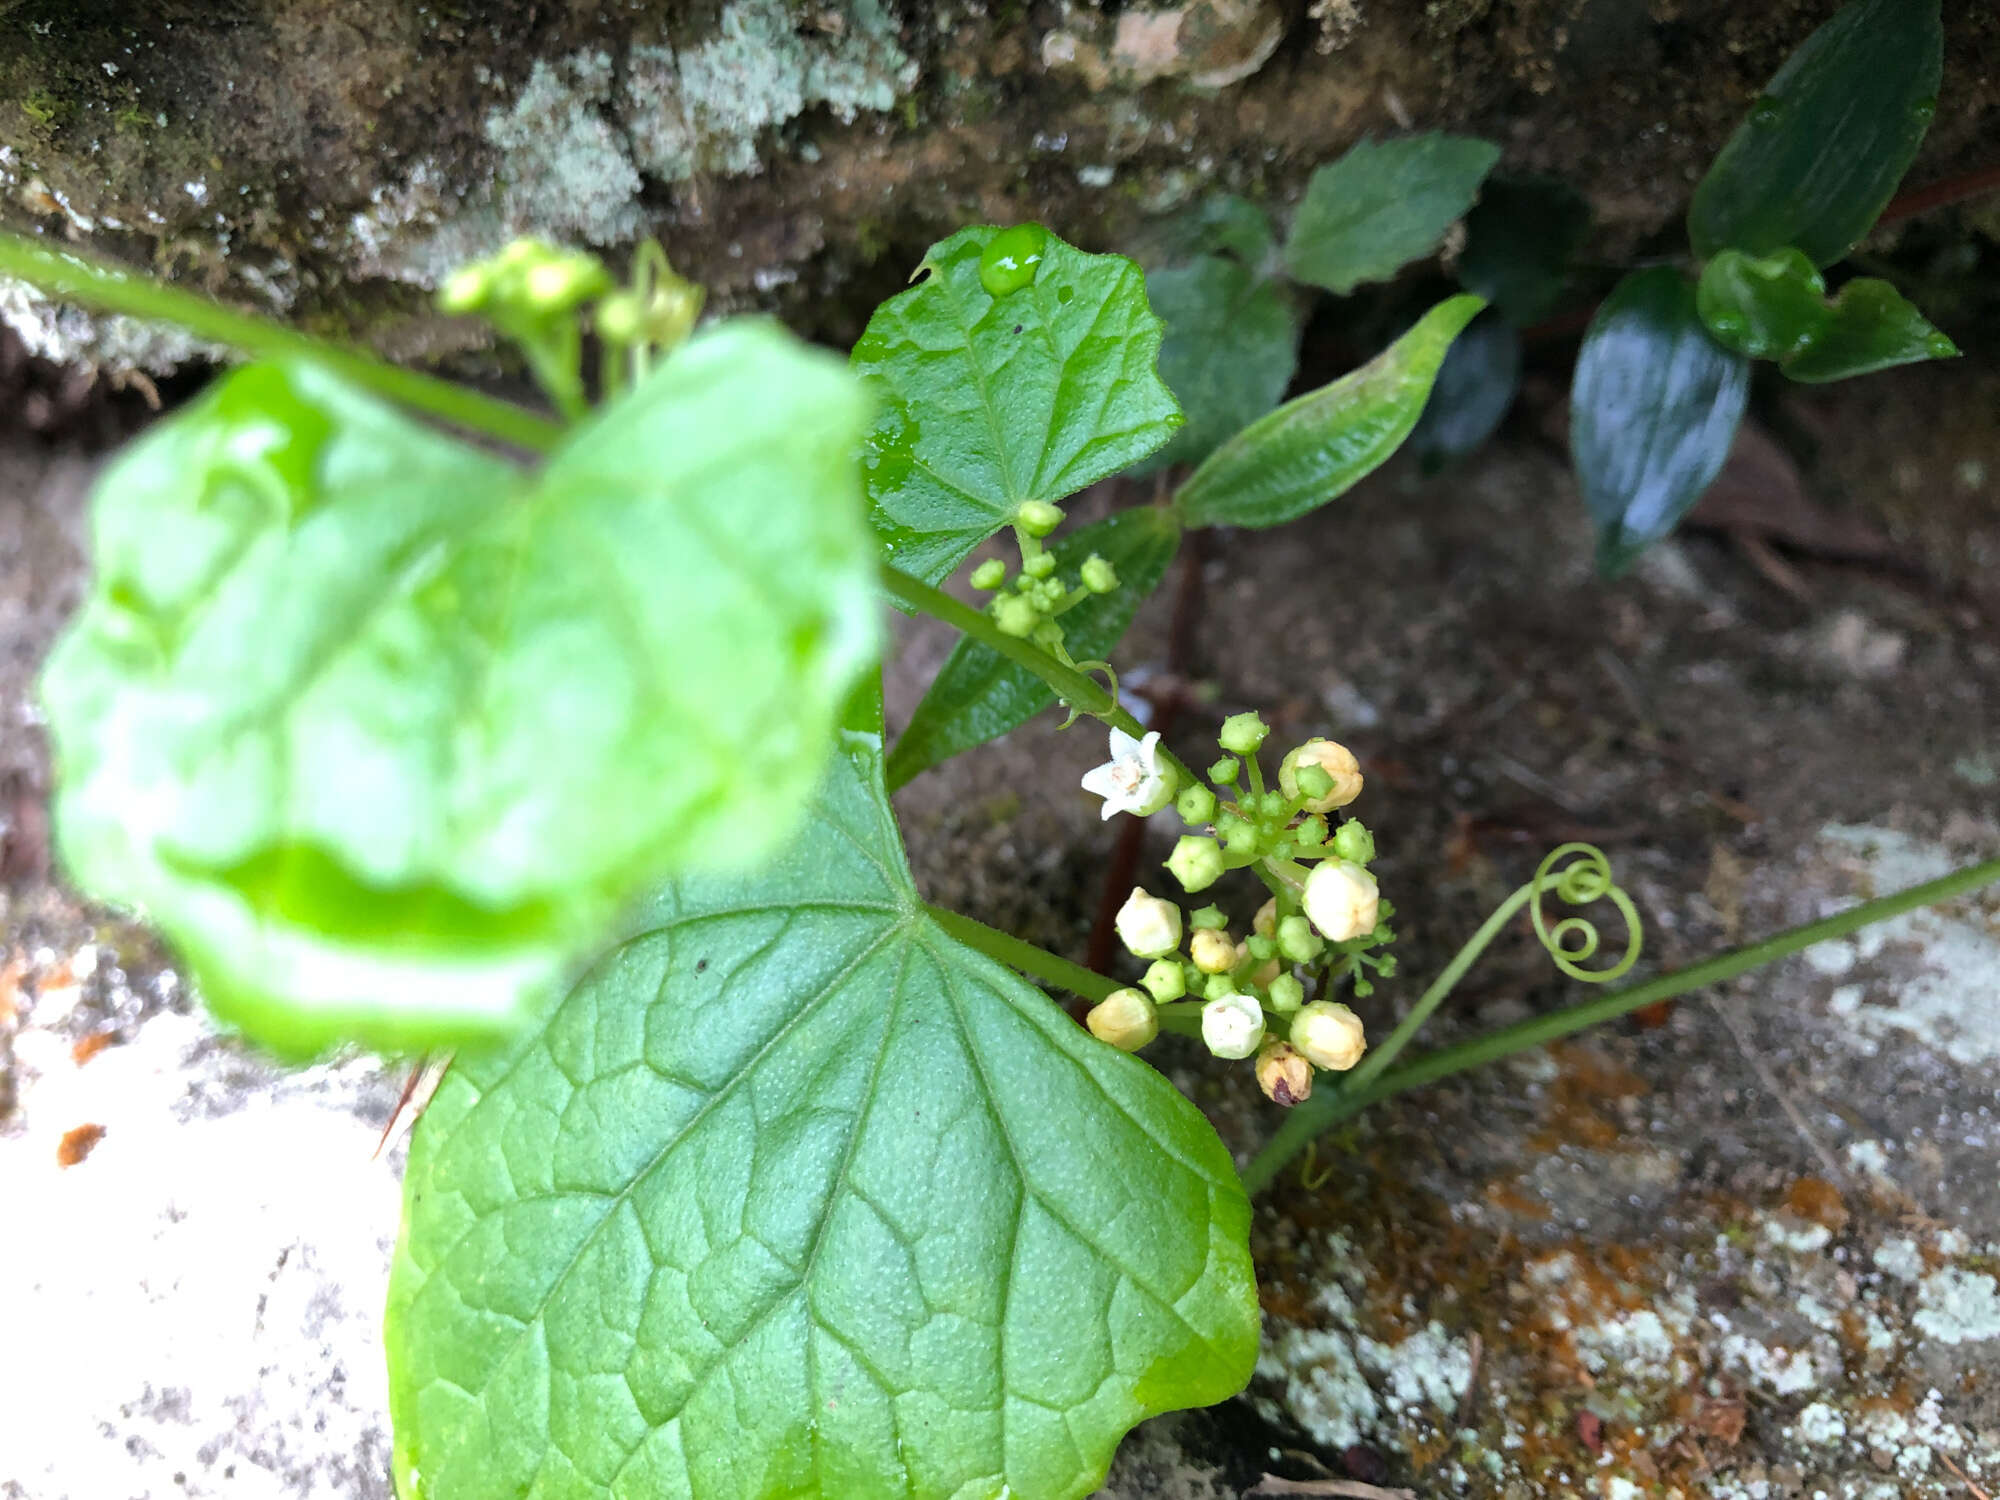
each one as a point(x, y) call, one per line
point(328, 159)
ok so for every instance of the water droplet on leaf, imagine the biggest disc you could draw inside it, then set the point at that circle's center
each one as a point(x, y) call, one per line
point(1766, 111)
point(1923, 109)
point(1942, 347)
point(1012, 258)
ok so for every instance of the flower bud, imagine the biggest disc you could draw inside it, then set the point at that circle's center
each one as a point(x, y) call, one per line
point(1098, 575)
point(1224, 771)
point(1232, 1025)
point(1286, 994)
point(1166, 980)
point(1207, 916)
point(1125, 1019)
point(1148, 926)
point(1265, 923)
point(989, 574)
point(1016, 616)
point(1196, 805)
point(1041, 565)
point(1329, 1035)
point(1243, 733)
point(1212, 951)
point(1297, 940)
point(1285, 1077)
point(556, 286)
point(1312, 829)
point(1196, 862)
point(465, 290)
point(1217, 986)
point(1340, 766)
point(1267, 967)
point(1354, 842)
point(1038, 517)
point(1342, 899)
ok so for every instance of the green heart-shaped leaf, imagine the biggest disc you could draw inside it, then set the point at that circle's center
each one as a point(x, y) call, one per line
point(979, 694)
point(1379, 207)
point(382, 733)
point(1833, 133)
point(1654, 407)
point(1767, 307)
point(797, 1196)
point(986, 398)
point(1321, 444)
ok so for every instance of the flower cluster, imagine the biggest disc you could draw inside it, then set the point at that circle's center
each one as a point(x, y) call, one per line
point(1268, 993)
point(1030, 603)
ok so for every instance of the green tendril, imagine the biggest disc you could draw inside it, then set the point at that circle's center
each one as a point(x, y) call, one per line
point(1574, 941)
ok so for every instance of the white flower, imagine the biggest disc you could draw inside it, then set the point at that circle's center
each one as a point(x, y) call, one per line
point(1329, 1035)
point(1133, 780)
point(1148, 926)
point(1342, 899)
point(1232, 1025)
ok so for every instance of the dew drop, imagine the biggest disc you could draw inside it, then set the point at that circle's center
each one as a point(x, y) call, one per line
point(1924, 109)
point(1942, 347)
point(1012, 258)
point(1766, 111)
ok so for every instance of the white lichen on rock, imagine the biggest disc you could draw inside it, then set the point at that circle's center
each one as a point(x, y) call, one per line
point(1958, 1307)
point(565, 170)
point(67, 334)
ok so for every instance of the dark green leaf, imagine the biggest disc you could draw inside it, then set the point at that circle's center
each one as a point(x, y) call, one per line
point(1519, 240)
point(1222, 224)
point(1653, 412)
point(1229, 352)
point(1319, 445)
point(985, 401)
point(1768, 307)
point(1378, 208)
point(1474, 388)
point(980, 695)
point(382, 733)
point(1834, 132)
point(797, 1196)
point(1870, 327)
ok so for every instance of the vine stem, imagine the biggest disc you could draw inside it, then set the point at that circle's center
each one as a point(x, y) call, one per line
point(1323, 1111)
point(1071, 686)
point(105, 287)
point(1017, 953)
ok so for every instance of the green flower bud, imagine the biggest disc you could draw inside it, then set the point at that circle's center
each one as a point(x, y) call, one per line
point(1232, 1025)
point(1148, 926)
point(1038, 517)
point(1196, 804)
point(1285, 1077)
point(1312, 830)
point(1313, 781)
point(1204, 917)
point(1098, 575)
point(1243, 733)
point(1297, 940)
point(1213, 950)
point(1041, 565)
point(1125, 1019)
point(557, 286)
point(1286, 994)
point(1224, 771)
point(989, 574)
point(1273, 805)
point(1354, 842)
point(1166, 979)
point(1342, 770)
point(1242, 837)
point(1329, 1035)
point(1261, 947)
point(1216, 986)
point(1016, 616)
point(465, 290)
point(1196, 862)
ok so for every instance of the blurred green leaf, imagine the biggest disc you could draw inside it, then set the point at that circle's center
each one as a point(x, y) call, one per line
point(1869, 327)
point(1520, 238)
point(1829, 139)
point(1474, 389)
point(985, 401)
point(796, 1195)
point(382, 733)
point(1378, 208)
point(1767, 307)
point(1319, 445)
point(1230, 349)
point(1221, 224)
point(1653, 411)
point(980, 695)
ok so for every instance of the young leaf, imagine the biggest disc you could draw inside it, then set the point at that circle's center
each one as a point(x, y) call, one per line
point(382, 733)
point(980, 695)
point(1221, 224)
point(1869, 327)
point(1653, 411)
point(1766, 307)
point(796, 1195)
point(1519, 240)
point(1833, 133)
point(1319, 445)
point(1378, 208)
point(1229, 352)
point(1474, 388)
point(986, 398)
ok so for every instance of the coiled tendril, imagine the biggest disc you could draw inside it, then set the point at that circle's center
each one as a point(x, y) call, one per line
point(1573, 941)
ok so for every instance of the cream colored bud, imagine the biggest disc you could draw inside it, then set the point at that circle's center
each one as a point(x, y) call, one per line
point(1265, 923)
point(1342, 899)
point(1124, 1019)
point(1149, 926)
point(1329, 1035)
point(1212, 951)
point(1336, 760)
point(1232, 1025)
point(1283, 1074)
point(1264, 973)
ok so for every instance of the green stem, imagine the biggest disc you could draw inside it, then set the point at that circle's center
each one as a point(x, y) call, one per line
point(1038, 963)
point(1323, 1111)
point(75, 278)
point(1078, 690)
